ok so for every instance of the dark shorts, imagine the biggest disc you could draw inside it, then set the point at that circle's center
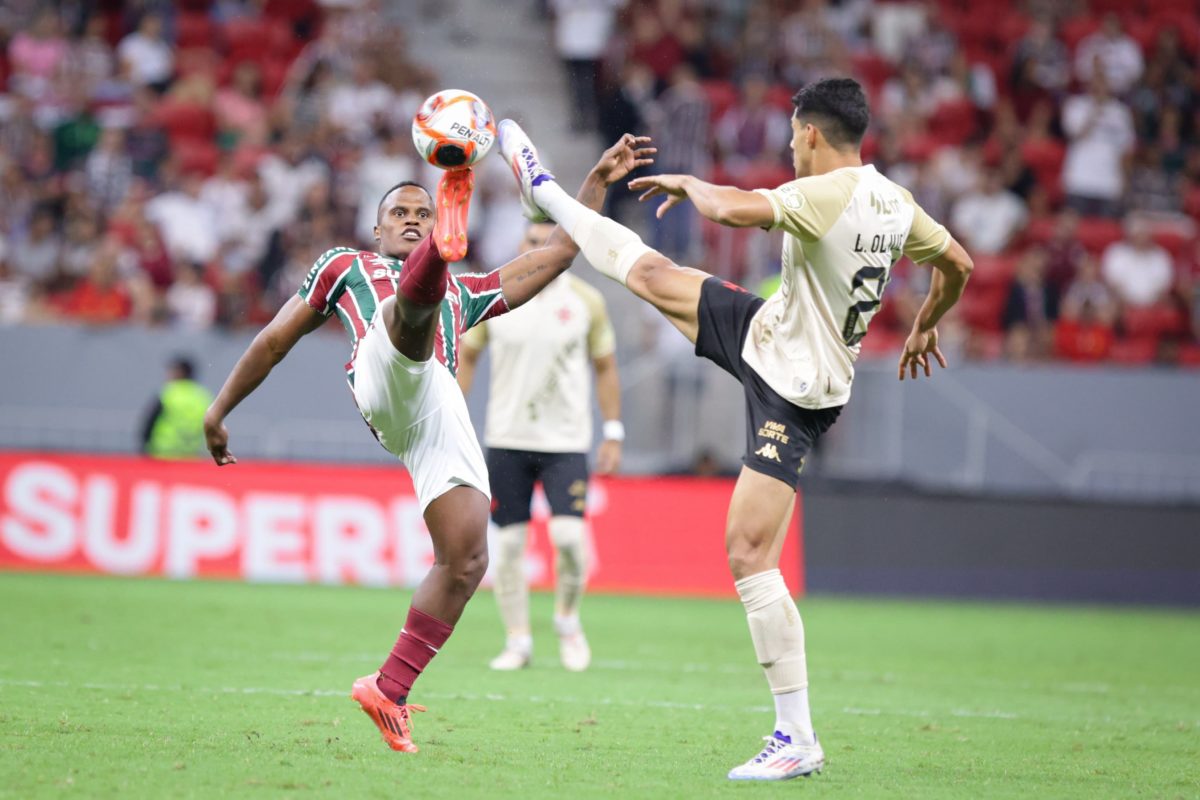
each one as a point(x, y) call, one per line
point(779, 434)
point(513, 473)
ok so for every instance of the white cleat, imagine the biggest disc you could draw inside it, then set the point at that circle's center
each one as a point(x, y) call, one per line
point(573, 649)
point(510, 660)
point(781, 760)
point(522, 157)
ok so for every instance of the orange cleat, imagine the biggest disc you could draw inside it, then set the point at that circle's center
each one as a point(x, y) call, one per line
point(453, 199)
point(392, 720)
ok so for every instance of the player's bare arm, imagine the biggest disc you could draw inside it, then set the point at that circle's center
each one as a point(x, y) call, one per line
point(273, 342)
point(951, 270)
point(726, 205)
point(528, 274)
point(608, 395)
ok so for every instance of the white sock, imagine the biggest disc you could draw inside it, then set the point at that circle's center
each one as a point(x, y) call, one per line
point(570, 569)
point(778, 636)
point(509, 586)
point(608, 245)
point(519, 643)
point(793, 718)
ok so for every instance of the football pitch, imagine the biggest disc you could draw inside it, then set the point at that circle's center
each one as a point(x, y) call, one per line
point(146, 688)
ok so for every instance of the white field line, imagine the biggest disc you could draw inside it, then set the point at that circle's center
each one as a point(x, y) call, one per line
point(748, 667)
point(472, 697)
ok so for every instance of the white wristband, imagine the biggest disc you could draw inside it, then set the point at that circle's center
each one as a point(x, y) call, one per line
point(614, 430)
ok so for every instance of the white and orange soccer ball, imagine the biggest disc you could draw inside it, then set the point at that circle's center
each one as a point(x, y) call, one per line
point(454, 129)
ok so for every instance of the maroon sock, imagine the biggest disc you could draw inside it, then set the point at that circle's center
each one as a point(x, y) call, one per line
point(424, 278)
point(419, 642)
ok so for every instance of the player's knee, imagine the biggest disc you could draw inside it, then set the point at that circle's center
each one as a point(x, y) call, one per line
point(468, 569)
point(650, 276)
point(748, 550)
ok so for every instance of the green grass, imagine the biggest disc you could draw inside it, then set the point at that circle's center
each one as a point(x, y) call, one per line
point(146, 688)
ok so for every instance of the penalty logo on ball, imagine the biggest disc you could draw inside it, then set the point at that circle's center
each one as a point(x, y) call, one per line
point(453, 129)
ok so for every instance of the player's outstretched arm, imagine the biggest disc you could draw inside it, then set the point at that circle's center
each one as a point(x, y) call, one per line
point(726, 205)
point(529, 273)
point(273, 342)
point(951, 270)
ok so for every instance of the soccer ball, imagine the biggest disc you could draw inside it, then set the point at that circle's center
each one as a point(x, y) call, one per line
point(453, 129)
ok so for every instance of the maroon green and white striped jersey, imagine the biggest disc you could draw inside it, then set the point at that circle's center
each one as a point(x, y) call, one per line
point(353, 283)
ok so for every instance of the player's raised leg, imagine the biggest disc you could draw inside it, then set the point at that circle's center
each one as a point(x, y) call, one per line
point(412, 320)
point(760, 514)
point(610, 247)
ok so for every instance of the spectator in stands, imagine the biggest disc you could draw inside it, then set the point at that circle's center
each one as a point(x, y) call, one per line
point(145, 141)
point(89, 61)
point(1084, 336)
point(248, 225)
point(35, 256)
point(240, 108)
point(751, 133)
point(109, 169)
point(79, 245)
point(306, 97)
point(147, 54)
point(188, 225)
point(14, 290)
point(1042, 59)
point(1065, 256)
point(1100, 131)
point(1028, 311)
point(357, 106)
point(680, 127)
point(810, 47)
point(653, 44)
point(100, 298)
point(190, 302)
point(1137, 269)
point(288, 174)
point(1089, 289)
point(76, 134)
point(35, 56)
point(1109, 52)
point(581, 32)
point(988, 219)
point(1153, 190)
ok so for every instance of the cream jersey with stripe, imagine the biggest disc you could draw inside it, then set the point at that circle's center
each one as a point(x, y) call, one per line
point(540, 397)
point(843, 232)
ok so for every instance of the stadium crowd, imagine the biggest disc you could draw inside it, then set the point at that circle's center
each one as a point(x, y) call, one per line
point(184, 162)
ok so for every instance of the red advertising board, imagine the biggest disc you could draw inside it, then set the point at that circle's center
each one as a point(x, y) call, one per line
point(331, 524)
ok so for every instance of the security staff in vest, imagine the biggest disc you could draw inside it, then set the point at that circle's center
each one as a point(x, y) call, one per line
point(174, 427)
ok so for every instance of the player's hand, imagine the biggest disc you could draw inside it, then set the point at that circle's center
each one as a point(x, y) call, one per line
point(629, 153)
point(651, 186)
point(217, 439)
point(608, 457)
point(917, 351)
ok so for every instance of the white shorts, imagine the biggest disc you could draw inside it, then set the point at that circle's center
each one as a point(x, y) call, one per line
point(419, 414)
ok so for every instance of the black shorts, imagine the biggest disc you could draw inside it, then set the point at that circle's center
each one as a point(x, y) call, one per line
point(779, 434)
point(513, 473)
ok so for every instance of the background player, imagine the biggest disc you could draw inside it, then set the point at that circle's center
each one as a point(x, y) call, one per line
point(845, 225)
point(404, 314)
point(539, 428)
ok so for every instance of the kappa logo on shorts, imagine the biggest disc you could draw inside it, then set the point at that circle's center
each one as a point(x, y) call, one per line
point(769, 450)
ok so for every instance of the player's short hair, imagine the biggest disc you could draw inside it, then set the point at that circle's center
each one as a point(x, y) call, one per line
point(400, 185)
point(837, 107)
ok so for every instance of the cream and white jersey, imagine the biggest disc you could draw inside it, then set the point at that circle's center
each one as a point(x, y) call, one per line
point(843, 232)
point(540, 397)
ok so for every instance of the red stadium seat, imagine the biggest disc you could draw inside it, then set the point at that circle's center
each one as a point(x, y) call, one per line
point(1041, 229)
point(1044, 157)
point(196, 157)
point(1173, 240)
point(982, 306)
point(186, 121)
point(1097, 233)
point(1074, 31)
point(780, 97)
point(1153, 322)
point(197, 61)
point(1134, 351)
point(194, 30)
point(873, 69)
point(953, 122)
point(722, 95)
point(1189, 356)
point(993, 270)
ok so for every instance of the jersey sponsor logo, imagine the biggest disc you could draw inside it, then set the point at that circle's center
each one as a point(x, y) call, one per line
point(774, 430)
point(384, 272)
point(769, 451)
point(885, 206)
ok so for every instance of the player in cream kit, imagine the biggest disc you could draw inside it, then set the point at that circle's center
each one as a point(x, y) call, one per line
point(539, 429)
point(846, 225)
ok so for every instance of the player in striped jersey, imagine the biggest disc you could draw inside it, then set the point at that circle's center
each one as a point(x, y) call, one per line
point(845, 226)
point(405, 313)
